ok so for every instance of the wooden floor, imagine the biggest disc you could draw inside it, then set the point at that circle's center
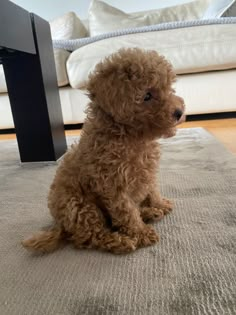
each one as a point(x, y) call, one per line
point(223, 129)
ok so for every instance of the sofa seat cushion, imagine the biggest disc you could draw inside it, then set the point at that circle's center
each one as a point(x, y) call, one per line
point(190, 50)
point(61, 56)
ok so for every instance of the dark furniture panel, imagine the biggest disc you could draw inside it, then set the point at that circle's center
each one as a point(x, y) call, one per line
point(33, 91)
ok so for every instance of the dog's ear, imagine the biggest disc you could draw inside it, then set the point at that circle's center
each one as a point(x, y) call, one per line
point(92, 86)
point(130, 72)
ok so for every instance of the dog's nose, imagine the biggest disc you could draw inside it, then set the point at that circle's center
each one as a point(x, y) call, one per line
point(178, 114)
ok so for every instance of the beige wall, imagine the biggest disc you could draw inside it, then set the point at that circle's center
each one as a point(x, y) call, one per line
point(49, 9)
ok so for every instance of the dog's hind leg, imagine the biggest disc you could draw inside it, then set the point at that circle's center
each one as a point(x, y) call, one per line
point(126, 218)
point(91, 232)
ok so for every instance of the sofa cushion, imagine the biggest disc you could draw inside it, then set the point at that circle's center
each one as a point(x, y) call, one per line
point(219, 8)
point(68, 26)
point(104, 18)
point(186, 48)
point(60, 56)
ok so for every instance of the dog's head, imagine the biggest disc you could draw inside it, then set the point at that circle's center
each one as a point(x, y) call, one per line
point(134, 87)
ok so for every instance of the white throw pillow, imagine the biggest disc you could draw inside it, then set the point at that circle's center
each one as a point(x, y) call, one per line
point(218, 8)
point(104, 18)
point(67, 26)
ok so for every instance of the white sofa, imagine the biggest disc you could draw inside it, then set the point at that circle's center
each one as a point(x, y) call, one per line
point(203, 56)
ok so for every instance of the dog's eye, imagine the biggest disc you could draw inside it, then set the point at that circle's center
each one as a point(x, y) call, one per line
point(147, 97)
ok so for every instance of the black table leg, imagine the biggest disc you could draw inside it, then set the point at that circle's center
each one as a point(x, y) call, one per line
point(34, 98)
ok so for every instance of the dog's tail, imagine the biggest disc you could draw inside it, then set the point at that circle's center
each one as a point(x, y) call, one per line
point(45, 241)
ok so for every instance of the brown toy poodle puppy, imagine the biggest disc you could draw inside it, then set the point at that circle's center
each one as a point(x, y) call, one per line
point(105, 189)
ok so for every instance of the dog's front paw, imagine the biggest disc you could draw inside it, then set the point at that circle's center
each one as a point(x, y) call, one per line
point(142, 235)
point(147, 236)
point(166, 205)
point(121, 244)
point(151, 213)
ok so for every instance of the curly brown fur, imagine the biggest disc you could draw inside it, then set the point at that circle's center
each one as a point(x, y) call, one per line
point(105, 189)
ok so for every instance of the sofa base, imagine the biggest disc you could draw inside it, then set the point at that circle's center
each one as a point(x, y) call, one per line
point(212, 116)
point(204, 93)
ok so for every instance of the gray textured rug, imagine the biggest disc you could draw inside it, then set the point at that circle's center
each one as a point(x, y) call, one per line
point(191, 271)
